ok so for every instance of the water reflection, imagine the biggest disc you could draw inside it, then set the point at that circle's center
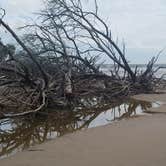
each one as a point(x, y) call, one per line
point(17, 134)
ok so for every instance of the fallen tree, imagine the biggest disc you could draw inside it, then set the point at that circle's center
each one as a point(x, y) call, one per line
point(57, 64)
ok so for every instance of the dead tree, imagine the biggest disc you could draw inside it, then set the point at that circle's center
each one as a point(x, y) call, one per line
point(69, 16)
point(57, 64)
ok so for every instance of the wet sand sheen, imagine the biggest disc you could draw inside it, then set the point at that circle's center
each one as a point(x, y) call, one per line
point(139, 141)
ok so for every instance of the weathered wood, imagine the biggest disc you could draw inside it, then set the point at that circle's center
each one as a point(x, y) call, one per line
point(54, 69)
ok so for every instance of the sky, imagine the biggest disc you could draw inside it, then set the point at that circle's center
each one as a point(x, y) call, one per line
point(140, 23)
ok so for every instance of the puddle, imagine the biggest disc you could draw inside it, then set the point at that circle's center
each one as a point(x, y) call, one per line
point(18, 134)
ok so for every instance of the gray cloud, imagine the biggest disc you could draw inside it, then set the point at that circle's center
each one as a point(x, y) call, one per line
point(141, 23)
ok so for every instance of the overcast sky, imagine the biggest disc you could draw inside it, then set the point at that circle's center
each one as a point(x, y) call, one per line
point(141, 23)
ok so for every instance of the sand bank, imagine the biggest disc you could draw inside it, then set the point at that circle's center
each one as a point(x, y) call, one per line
point(135, 142)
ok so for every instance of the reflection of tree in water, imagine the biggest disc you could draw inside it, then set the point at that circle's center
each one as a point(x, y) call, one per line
point(130, 108)
point(27, 131)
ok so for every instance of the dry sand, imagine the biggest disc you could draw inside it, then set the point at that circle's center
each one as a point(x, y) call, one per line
point(135, 142)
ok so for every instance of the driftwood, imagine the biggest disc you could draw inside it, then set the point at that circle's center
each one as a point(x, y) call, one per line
point(57, 64)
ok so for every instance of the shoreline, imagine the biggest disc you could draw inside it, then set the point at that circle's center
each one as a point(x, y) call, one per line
point(135, 141)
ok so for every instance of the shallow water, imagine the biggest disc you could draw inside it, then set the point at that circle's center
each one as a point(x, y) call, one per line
point(18, 134)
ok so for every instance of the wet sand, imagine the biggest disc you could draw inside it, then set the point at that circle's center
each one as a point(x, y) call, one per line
point(138, 141)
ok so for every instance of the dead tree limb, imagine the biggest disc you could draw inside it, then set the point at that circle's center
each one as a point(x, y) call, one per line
point(45, 77)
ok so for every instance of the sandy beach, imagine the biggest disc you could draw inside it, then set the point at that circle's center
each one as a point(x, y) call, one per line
point(137, 141)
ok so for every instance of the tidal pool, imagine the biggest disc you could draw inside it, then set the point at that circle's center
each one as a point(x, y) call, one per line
point(18, 134)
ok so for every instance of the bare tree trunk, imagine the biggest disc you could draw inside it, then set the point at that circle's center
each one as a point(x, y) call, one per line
point(26, 49)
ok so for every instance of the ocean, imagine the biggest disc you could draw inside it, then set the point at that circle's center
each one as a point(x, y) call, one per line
point(106, 68)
